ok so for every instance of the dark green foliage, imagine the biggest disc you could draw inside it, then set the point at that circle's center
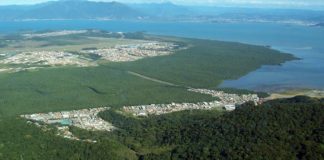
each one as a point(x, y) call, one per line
point(281, 129)
point(207, 63)
point(19, 140)
point(250, 132)
point(204, 64)
point(75, 88)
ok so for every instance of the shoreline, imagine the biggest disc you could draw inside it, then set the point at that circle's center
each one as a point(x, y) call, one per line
point(272, 89)
point(314, 93)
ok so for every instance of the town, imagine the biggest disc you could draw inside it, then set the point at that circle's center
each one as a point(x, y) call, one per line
point(158, 109)
point(31, 60)
point(229, 99)
point(226, 101)
point(87, 119)
point(50, 58)
point(133, 52)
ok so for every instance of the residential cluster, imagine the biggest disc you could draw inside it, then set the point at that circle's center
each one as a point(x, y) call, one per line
point(133, 52)
point(87, 119)
point(119, 53)
point(50, 58)
point(229, 99)
point(158, 109)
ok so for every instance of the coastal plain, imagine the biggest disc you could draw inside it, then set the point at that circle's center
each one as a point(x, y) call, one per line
point(195, 63)
point(152, 70)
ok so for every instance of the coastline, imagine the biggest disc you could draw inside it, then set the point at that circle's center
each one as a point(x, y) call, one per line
point(281, 43)
point(314, 93)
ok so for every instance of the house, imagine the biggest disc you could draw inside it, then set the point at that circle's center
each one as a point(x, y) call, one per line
point(230, 107)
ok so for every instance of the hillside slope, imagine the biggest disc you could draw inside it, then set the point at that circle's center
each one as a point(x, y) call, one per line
point(280, 129)
point(71, 9)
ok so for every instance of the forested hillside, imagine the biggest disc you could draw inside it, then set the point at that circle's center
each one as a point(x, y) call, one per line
point(281, 129)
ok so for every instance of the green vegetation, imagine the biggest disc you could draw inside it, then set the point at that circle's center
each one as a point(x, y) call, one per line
point(207, 63)
point(280, 129)
point(203, 64)
point(250, 132)
point(74, 88)
point(19, 140)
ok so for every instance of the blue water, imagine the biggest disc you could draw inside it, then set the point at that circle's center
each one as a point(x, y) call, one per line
point(302, 41)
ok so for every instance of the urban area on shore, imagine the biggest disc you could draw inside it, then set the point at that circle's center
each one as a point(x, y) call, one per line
point(88, 119)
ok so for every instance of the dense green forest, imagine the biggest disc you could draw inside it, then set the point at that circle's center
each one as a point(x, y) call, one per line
point(74, 88)
point(22, 141)
point(280, 129)
point(206, 63)
point(250, 132)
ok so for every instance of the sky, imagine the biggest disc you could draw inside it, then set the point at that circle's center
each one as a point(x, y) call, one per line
point(259, 3)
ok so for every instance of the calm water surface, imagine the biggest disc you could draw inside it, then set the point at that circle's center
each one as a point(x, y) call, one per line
point(304, 42)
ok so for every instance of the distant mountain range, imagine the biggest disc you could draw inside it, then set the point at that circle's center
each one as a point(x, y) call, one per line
point(83, 9)
point(70, 9)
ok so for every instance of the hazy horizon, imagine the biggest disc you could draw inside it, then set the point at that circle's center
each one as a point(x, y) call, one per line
point(292, 4)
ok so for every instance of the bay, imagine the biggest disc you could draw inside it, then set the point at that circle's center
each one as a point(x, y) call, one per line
point(305, 42)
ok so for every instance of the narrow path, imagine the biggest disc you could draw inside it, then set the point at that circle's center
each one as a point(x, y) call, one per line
point(152, 79)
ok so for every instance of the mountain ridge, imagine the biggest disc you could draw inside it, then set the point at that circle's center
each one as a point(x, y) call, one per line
point(71, 9)
point(166, 11)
